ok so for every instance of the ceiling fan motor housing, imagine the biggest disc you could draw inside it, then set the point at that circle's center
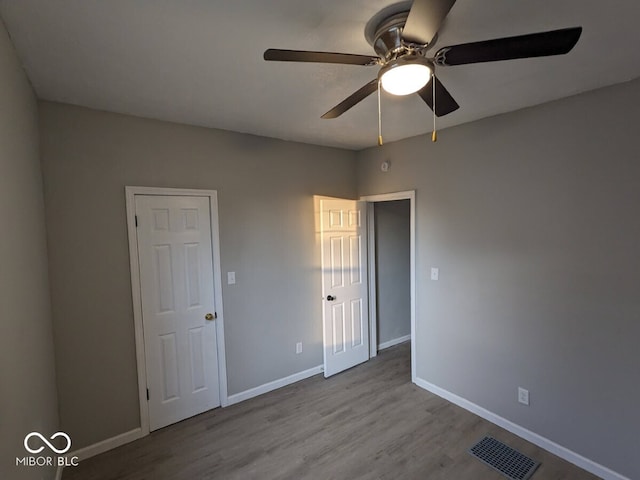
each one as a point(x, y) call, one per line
point(384, 32)
point(388, 42)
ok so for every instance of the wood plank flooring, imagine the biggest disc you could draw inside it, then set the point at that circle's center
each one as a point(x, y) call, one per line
point(370, 422)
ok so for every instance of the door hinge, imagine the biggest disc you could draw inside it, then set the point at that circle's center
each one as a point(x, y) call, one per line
point(147, 394)
point(136, 217)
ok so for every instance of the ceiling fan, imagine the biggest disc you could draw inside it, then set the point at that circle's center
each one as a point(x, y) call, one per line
point(402, 35)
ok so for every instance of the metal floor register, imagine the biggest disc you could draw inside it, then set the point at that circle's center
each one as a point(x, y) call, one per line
point(504, 459)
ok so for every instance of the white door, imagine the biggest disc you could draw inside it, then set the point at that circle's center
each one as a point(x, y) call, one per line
point(344, 285)
point(178, 311)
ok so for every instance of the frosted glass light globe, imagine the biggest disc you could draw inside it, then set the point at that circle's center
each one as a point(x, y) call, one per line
point(402, 77)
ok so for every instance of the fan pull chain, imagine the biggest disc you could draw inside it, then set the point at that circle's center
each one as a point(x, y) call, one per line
point(434, 135)
point(379, 117)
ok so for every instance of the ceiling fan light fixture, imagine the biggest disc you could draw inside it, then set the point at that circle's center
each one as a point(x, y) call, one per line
point(405, 75)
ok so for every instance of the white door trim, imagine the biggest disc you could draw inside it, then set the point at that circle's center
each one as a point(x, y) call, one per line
point(386, 197)
point(130, 193)
point(373, 298)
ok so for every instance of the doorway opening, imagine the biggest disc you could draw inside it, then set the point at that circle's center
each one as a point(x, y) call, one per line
point(391, 267)
point(392, 272)
point(350, 284)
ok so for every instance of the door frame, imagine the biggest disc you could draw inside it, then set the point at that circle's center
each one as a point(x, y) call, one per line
point(136, 292)
point(373, 314)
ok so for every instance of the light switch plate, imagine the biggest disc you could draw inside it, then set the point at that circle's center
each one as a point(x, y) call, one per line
point(435, 273)
point(231, 278)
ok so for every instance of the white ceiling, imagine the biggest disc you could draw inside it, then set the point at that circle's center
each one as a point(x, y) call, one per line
point(200, 62)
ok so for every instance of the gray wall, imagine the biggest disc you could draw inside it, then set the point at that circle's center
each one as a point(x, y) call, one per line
point(28, 399)
point(532, 218)
point(393, 269)
point(265, 192)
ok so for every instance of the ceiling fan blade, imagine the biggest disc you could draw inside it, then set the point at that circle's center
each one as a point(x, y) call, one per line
point(274, 54)
point(425, 19)
point(352, 100)
point(555, 42)
point(445, 103)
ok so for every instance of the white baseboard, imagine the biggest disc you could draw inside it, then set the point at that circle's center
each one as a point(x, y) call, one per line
point(108, 444)
point(542, 442)
point(394, 342)
point(267, 387)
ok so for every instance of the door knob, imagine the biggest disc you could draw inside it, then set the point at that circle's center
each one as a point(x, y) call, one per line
point(331, 298)
point(209, 316)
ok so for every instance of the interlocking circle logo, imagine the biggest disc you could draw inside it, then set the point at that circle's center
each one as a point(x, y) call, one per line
point(53, 437)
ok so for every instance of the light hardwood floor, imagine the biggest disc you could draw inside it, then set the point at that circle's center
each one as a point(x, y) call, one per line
point(370, 422)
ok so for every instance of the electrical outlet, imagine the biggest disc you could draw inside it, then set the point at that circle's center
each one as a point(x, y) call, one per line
point(523, 396)
point(299, 347)
point(231, 278)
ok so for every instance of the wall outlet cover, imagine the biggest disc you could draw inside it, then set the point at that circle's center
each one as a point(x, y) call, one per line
point(523, 396)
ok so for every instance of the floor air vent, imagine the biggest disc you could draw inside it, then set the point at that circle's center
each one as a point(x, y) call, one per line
point(504, 459)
